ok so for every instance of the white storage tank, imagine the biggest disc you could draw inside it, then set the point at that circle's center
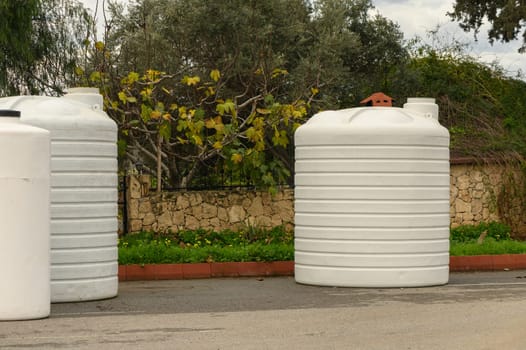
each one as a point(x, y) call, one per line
point(372, 197)
point(84, 253)
point(24, 219)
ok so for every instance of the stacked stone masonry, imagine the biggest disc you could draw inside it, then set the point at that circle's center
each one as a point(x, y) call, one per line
point(473, 193)
point(216, 210)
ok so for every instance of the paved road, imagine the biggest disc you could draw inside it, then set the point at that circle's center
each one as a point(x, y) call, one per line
point(474, 311)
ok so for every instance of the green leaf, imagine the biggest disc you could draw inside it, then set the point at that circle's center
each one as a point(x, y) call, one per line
point(146, 112)
point(95, 76)
point(199, 113)
point(133, 77)
point(269, 99)
point(182, 125)
point(227, 107)
point(122, 96)
point(121, 147)
point(165, 130)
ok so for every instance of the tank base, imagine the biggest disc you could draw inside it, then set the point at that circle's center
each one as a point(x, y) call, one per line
point(85, 290)
point(371, 278)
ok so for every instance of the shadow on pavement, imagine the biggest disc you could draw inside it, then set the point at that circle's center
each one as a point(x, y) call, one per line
point(251, 294)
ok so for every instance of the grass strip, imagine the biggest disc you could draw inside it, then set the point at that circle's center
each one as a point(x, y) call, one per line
point(489, 247)
point(253, 244)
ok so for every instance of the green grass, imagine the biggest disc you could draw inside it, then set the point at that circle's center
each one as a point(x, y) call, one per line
point(207, 246)
point(497, 240)
point(254, 244)
point(488, 247)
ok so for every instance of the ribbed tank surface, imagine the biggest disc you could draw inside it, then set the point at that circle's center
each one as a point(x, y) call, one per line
point(84, 193)
point(372, 199)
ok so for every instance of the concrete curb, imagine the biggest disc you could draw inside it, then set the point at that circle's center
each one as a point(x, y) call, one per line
point(286, 268)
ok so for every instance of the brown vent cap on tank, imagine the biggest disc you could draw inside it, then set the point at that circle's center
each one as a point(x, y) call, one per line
point(378, 99)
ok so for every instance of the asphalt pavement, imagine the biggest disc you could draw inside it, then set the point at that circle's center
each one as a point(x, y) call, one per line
point(485, 310)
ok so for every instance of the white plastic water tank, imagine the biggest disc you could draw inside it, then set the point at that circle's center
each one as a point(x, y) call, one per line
point(84, 251)
point(24, 219)
point(372, 197)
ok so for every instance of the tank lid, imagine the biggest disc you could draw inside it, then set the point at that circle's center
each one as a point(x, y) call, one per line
point(9, 113)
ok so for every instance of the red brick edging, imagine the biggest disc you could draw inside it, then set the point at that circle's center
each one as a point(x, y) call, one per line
point(487, 262)
point(286, 268)
point(204, 270)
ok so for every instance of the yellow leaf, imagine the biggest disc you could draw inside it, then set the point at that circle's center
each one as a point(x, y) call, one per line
point(236, 158)
point(99, 46)
point(173, 106)
point(218, 145)
point(95, 76)
point(152, 74)
point(146, 93)
point(251, 134)
point(210, 123)
point(219, 127)
point(258, 122)
point(182, 112)
point(278, 71)
point(191, 80)
point(197, 140)
point(263, 111)
point(210, 91)
point(215, 74)
point(132, 77)
point(122, 96)
point(79, 71)
point(314, 90)
point(182, 141)
point(155, 115)
point(167, 116)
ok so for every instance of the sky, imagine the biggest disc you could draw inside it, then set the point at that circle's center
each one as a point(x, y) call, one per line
point(418, 17)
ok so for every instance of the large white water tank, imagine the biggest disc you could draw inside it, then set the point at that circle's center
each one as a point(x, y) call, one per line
point(372, 197)
point(84, 181)
point(24, 219)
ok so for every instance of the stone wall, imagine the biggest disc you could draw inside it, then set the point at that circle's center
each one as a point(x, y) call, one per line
point(474, 193)
point(216, 210)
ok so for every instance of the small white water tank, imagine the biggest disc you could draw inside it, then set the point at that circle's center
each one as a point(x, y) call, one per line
point(372, 197)
point(24, 219)
point(84, 255)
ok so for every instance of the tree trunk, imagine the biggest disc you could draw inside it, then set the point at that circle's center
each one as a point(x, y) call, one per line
point(159, 163)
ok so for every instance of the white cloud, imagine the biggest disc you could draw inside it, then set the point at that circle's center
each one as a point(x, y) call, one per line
point(417, 17)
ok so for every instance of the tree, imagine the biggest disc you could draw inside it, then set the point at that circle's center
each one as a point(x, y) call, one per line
point(479, 104)
point(39, 44)
point(177, 134)
point(275, 59)
point(506, 17)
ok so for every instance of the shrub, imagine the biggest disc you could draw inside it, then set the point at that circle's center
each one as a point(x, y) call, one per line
point(252, 244)
point(471, 233)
